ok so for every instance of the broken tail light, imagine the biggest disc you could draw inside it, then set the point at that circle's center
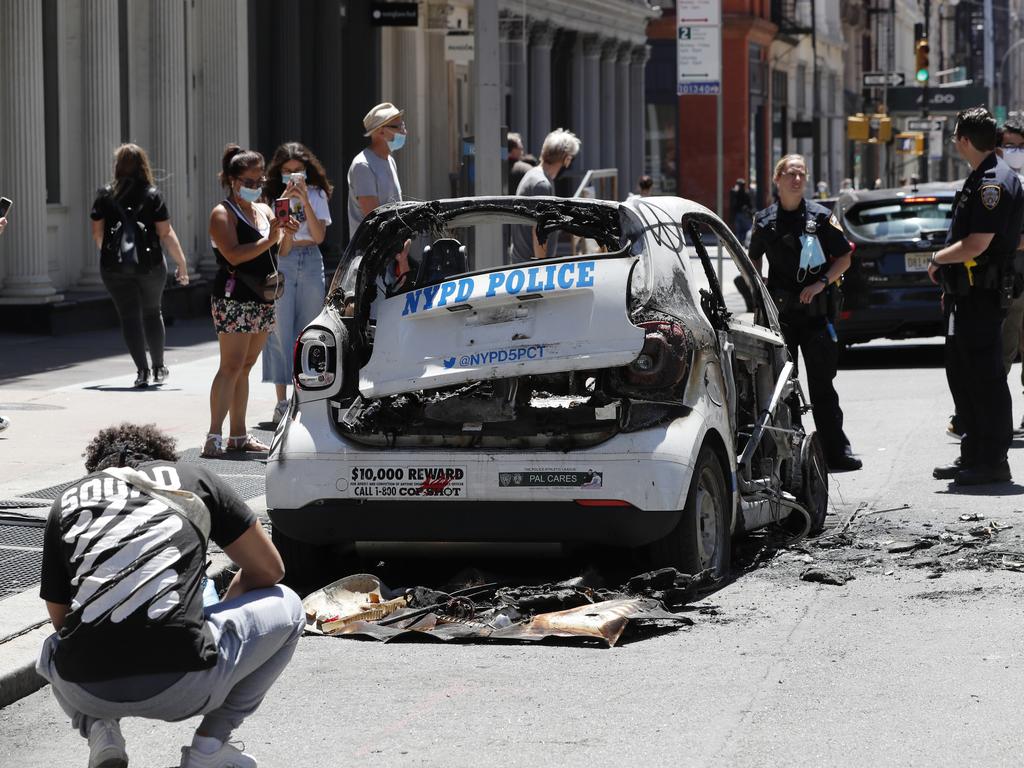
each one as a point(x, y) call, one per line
point(665, 356)
point(315, 359)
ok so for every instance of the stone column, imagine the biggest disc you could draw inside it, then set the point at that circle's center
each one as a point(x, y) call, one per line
point(609, 53)
point(638, 109)
point(591, 127)
point(577, 98)
point(23, 256)
point(542, 36)
point(222, 105)
point(101, 110)
point(623, 137)
point(168, 80)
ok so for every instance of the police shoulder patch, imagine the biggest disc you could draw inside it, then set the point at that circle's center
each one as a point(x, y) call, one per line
point(834, 221)
point(991, 195)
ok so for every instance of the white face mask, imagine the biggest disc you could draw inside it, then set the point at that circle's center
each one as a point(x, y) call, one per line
point(1014, 157)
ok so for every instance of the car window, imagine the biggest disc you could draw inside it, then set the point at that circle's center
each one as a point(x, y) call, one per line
point(900, 219)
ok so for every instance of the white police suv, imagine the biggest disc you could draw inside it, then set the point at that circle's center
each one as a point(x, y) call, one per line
point(606, 397)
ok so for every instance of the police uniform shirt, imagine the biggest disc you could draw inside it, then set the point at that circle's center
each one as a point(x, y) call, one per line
point(991, 202)
point(777, 233)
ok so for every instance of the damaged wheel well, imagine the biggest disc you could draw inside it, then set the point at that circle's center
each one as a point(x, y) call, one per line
point(715, 442)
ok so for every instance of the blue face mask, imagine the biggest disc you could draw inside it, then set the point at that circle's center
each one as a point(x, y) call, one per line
point(397, 143)
point(250, 195)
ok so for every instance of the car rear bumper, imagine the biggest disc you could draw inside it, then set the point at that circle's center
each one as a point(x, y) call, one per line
point(339, 520)
point(891, 314)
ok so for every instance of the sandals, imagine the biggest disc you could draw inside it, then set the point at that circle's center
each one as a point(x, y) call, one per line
point(212, 447)
point(248, 443)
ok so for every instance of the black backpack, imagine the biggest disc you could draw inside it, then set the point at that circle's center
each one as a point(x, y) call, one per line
point(127, 238)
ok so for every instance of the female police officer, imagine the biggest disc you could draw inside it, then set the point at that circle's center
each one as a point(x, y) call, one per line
point(807, 253)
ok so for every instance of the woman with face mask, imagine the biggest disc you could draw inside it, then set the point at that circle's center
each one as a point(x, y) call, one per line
point(246, 236)
point(296, 173)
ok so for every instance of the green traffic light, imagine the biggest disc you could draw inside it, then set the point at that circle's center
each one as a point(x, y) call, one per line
point(922, 75)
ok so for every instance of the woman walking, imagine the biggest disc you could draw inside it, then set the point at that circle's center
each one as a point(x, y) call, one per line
point(296, 173)
point(129, 224)
point(245, 236)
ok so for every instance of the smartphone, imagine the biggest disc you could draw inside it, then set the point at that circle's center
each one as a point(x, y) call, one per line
point(5, 206)
point(283, 208)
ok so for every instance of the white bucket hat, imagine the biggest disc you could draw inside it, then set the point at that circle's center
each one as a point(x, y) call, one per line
point(380, 115)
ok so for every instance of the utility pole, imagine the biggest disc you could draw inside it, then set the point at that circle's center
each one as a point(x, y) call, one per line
point(815, 103)
point(487, 125)
point(990, 51)
point(923, 161)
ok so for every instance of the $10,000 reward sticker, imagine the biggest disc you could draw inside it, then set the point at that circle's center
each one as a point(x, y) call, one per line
point(408, 482)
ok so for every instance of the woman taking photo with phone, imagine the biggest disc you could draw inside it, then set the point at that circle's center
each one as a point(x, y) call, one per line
point(245, 236)
point(295, 174)
point(129, 224)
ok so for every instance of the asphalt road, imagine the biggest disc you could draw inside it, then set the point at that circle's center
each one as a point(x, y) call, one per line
point(914, 662)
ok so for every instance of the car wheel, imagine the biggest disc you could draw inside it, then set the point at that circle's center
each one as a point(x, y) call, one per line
point(701, 540)
point(309, 566)
point(813, 494)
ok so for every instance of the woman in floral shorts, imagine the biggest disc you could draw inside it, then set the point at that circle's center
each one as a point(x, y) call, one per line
point(245, 236)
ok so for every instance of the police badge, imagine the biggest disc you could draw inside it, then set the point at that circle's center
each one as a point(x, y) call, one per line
point(990, 195)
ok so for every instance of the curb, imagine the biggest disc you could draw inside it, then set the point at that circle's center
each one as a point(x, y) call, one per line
point(23, 680)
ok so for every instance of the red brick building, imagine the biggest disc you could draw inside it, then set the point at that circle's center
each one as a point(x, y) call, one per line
point(747, 34)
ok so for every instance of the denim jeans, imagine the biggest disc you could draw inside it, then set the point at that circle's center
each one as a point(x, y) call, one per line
point(256, 634)
point(137, 299)
point(301, 302)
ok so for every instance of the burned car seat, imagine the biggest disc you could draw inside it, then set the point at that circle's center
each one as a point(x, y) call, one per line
point(446, 257)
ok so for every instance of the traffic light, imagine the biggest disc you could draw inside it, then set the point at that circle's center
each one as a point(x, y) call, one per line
point(857, 128)
point(921, 60)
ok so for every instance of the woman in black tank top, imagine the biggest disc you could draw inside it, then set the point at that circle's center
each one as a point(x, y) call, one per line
point(245, 237)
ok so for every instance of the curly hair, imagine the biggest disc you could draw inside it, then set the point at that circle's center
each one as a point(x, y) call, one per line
point(316, 176)
point(128, 445)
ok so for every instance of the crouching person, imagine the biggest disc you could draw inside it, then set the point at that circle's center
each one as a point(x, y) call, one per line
point(124, 557)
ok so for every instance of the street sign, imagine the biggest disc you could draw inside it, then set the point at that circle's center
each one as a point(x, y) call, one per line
point(698, 47)
point(878, 79)
point(925, 125)
point(911, 98)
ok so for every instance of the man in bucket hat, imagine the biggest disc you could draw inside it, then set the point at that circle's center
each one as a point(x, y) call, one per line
point(373, 175)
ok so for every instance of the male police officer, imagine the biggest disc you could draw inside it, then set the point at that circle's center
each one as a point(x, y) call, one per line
point(975, 268)
point(807, 252)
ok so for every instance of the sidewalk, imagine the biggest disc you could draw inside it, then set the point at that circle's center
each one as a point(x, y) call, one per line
point(58, 392)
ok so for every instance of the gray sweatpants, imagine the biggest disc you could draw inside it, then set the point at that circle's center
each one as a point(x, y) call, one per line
point(256, 634)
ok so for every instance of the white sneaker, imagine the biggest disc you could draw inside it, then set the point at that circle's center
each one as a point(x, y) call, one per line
point(106, 745)
point(4, 423)
point(227, 756)
point(280, 410)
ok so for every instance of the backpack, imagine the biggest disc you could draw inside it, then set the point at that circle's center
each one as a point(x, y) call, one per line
point(127, 237)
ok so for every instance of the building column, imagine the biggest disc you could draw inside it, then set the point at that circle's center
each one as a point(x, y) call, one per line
point(609, 52)
point(101, 109)
point(623, 137)
point(23, 253)
point(514, 77)
point(638, 110)
point(577, 95)
point(222, 104)
point(591, 127)
point(542, 36)
point(168, 80)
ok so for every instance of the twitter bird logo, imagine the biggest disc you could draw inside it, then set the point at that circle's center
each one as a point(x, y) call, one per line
point(449, 362)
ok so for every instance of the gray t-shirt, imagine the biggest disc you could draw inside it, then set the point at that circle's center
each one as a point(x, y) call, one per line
point(535, 183)
point(371, 176)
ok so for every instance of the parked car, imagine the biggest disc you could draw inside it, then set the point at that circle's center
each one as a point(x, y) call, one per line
point(608, 397)
point(886, 291)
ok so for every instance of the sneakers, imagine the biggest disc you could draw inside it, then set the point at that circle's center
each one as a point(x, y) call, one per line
point(160, 374)
point(279, 411)
point(142, 378)
point(228, 756)
point(953, 428)
point(106, 745)
point(4, 423)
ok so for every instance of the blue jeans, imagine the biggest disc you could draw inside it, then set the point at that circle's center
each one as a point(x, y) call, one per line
point(256, 634)
point(301, 302)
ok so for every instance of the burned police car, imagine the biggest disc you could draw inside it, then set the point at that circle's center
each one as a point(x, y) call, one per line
point(607, 397)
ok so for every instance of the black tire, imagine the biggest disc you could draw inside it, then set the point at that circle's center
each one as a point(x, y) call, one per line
point(307, 567)
point(702, 539)
point(813, 494)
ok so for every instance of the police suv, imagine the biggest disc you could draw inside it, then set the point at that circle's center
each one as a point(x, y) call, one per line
point(606, 397)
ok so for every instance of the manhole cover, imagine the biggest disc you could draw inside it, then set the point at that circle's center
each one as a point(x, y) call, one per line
point(29, 407)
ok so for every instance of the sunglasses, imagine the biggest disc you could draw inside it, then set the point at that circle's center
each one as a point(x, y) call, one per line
point(399, 126)
point(252, 183)
point(795, 175)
